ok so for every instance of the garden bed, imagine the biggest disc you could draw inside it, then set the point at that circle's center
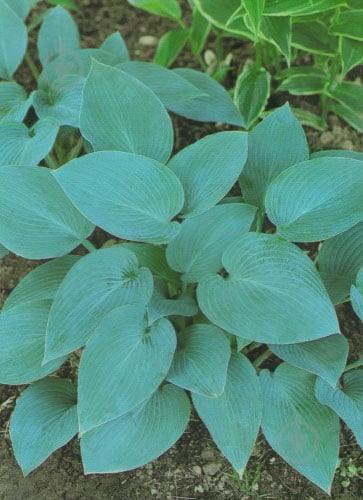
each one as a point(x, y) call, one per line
point(193, 468)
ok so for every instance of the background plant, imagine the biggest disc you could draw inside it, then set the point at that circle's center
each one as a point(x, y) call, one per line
point(304, 48)
point(201, 288)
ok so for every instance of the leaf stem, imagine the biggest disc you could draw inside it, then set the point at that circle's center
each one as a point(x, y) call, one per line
point(87, 244)
point(259, 221)
point(34, 70)
point(260, 359)
point(76, 149)
point(50, 161)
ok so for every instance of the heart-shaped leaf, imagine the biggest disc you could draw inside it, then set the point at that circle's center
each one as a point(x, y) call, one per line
point(14, 103)
point(13, 41)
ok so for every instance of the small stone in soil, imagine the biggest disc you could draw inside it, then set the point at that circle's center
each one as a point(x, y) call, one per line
point(148, 41)
point(197, 470)
point(211, 469)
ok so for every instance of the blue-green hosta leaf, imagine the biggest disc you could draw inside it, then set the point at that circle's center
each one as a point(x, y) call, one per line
point(61, 84)
point(120, 113)
point(21, 7)
point(348, 23)
point(324, 357)
point(216, 106)
point(346, 401)
point(13, 41)
point(42, 283)
point(115, 44)
point(317, 199)
point(313, 37)
point(44, 419)
point(198, 247)
point(3, 251)
point(301, 430)
point(166, 8)
point(124, 371)
point(351, 54)
point(233, 419)
point(339, 261)
point(166, 84)
point(298, 8)
point(273, 145)
point(170, 45)
point(22, 146)
point(338, 153)
point(162, 305)
point(95, 285)
point(58, 33)
point(22, 337)
point(14, 103)
point(138, 437)
point(251, 93)
point(201, 360)
point(356, 295)
point(278, 31)
point(128, 195)
point(153, 257)
point(272, 294)
point(209, 168)
point(47, 224)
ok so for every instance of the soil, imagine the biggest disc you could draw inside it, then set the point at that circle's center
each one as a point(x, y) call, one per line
point(193, 468)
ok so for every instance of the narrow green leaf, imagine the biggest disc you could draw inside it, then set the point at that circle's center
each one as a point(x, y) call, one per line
point(198, 32)
point(298, 8)
point(316, 199)
point(309, 119)
point(13, 41)
point(22, 146)
point(124, 371)
point(346, 401)
point(95, 285)
point(169, 87)
point(266, 278)
point(350, 107)
point(69, 4)
point(313, 36)
point(170, 45)
point(198, 247)
point(351, 54)
point(278, 31)
point(273, 145)
point(339, 261)
point(349, 115)
point(251, 94)
point(301, 430)
point(349, 23)
point(324, 357)
point(254, 10)
point(138, 437)
point(201, 360)
point(22, 337)
point(166, 8)
point(58, 33)
point(198, 168)
point(47, 224)
point(234, 418)
point(14, 103)
point(42, 283)
point(304, 84)
point(215, 106)
point(356, 294)
point(162, 305)
point(133, 197)
point(119, 113)
point(44, 419)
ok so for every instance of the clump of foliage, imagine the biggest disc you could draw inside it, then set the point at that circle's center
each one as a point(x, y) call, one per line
point(201, 288)
point(284, 33)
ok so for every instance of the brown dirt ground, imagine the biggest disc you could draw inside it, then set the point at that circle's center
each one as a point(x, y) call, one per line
point(193, 468)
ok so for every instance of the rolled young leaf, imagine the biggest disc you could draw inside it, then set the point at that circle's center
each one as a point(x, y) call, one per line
point(44, 419)
point(339, 261)
point(324, 357)
point(316, 199)
point(119, 113)
point(117, 375)
point(234, 418)
point(134, 439)
point(301, 430)
point(346, 401)
point(98, 283)
point(201, 360)
point(198, 247)
point(13, 40)
point(22, 146)
point(267, 277)
point(22, 336)
point(128, 195)
point(273, 145)
point(47, 224)
point(209, 168)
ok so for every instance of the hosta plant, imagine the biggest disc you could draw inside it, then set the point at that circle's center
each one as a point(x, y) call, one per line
point(209, 291)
